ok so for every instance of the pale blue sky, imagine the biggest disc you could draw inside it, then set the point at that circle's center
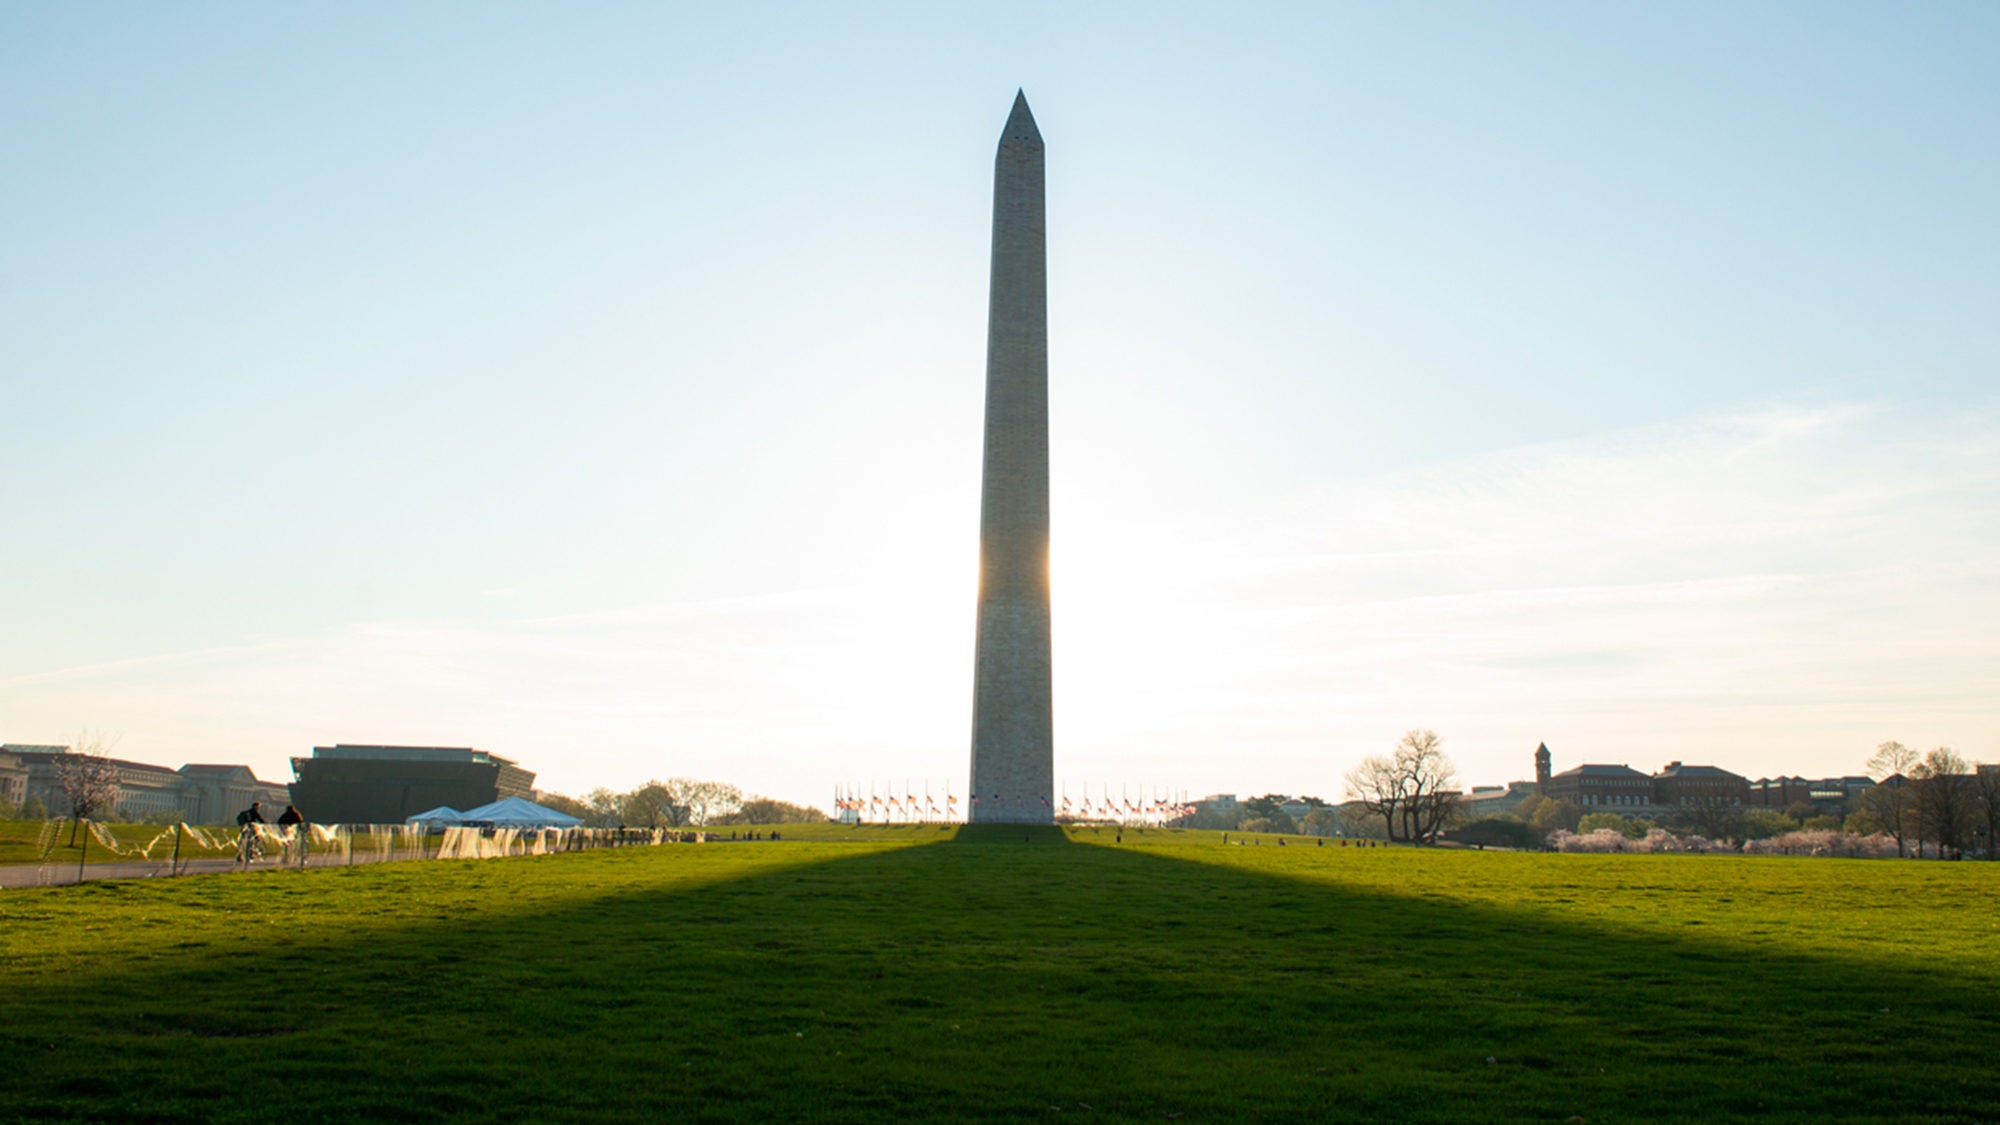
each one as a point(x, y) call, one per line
point(599, 384)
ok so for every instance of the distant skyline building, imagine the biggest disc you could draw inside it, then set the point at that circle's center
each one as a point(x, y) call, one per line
point(1013, 714)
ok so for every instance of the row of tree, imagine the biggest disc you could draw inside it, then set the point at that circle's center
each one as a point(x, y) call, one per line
point(679, 802)
point(1937, 798)
point(1407, 795)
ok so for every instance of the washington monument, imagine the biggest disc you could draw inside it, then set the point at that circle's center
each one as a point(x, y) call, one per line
point(1013, 727)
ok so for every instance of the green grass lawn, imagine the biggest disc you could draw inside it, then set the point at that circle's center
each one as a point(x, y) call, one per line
point(875, 974)
point(18, 840)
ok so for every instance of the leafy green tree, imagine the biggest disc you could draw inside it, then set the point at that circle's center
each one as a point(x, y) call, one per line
point(1267, 807)
point(1762, 824)
point(1598, 821)
point(764, 810)
point(1497, 832)
point(1546, 814)
point(1212, 816)
point(651, 806)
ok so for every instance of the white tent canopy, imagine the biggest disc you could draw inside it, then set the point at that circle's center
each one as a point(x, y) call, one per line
point(437, 817)
point(516, 812)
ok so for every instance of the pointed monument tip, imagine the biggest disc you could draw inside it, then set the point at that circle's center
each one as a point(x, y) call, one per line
point(1021, 123)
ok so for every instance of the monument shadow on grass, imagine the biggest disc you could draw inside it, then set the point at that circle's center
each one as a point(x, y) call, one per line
point(984, 983)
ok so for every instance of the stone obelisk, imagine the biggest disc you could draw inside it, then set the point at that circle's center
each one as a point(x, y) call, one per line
point(1013, 727)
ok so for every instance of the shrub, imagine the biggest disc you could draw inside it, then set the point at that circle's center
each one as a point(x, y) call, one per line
point(1496, 832)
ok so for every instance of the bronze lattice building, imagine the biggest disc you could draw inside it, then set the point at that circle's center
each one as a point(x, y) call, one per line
point(344, 784)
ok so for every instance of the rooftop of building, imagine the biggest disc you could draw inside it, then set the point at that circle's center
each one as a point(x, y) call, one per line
point(1594, 770)
point(43, 755)
point(1682, 770)
point(344, 752)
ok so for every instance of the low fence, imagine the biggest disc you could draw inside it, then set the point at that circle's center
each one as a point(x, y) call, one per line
point(185, 849)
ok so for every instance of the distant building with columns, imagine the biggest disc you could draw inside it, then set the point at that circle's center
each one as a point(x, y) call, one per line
point(13, 781)
point(198, 794)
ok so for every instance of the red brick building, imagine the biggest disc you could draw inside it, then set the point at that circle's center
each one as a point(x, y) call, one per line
point(1681, 786)
point(1600, 788)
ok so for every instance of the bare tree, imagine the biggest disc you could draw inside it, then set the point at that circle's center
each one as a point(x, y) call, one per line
point(1986, 803)
point(1889, 801)
point(1434, 801)
point(1377, 787)
point(1410, 789)
point(88, 779)
point(1944, 799)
